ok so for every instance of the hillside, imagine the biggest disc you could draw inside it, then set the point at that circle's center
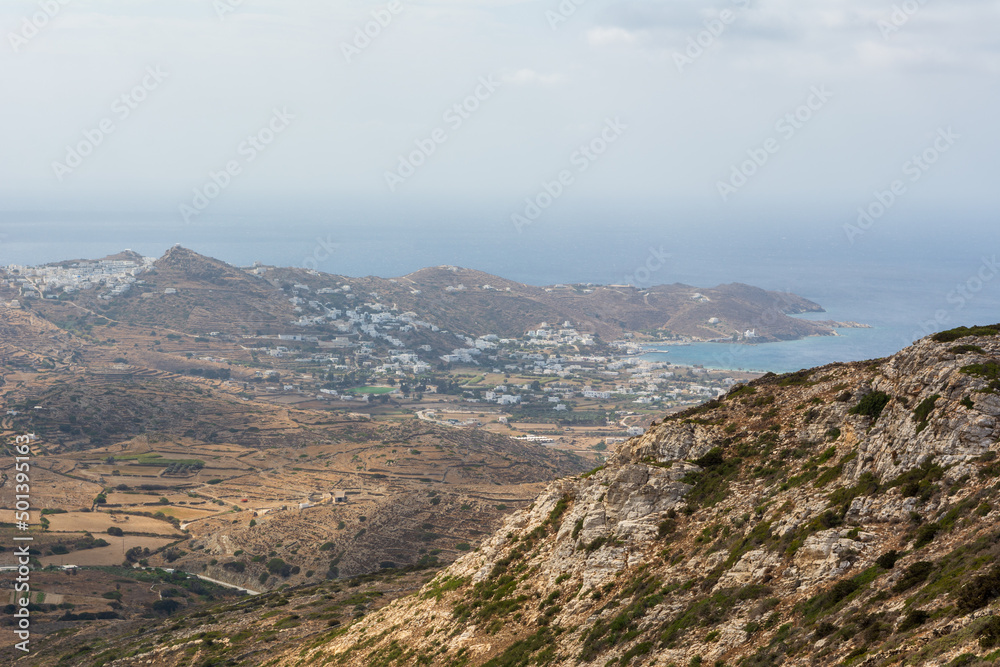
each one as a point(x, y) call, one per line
point(190, 293)
point(840, 515)
point(473, 303)
point(845, 514)
point(413, 486)
point(209, 295)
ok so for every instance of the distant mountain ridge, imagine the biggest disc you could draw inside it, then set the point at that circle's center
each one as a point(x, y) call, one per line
point(211, 294)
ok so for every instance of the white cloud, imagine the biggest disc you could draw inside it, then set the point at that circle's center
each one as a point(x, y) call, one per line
point(610, 36)
point(525, 77)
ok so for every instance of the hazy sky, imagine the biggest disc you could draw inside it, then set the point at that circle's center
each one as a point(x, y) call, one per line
point(883, 84)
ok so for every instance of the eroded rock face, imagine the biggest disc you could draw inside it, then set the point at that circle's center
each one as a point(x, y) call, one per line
point(684, 441)
point(957, 434)
point(803, 487)
point(827, 555)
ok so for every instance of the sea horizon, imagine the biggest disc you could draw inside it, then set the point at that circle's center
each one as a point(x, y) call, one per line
point(900, 301)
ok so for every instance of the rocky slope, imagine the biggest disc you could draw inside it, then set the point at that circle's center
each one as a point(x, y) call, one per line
point(840, 515)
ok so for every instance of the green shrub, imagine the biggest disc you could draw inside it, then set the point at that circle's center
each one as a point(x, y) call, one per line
point(278, 566)
point(923, 411)
point(989, 371)
point(167, 606)
point(888, 559)
point(961, 332)
point(711, 484)
point(828, 475)
point(753, 592)
point(740, 390)
point(825, 629)
point(926, 534)
point(798, 378)
point(536, 649)
point(840, 591)
point(989, 634)
point(711, 459)
point(913, 619)
point(919, 482)
point(867, 485)
point(666, 527)
point(915, 574)
point(871, 405)
point(605, 634)
point(980, 591)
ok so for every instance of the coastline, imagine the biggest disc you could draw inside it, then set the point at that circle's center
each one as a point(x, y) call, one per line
point(847, 344)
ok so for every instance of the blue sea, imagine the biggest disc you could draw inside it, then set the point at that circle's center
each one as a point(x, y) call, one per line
point(906, 279)
point(783, 357)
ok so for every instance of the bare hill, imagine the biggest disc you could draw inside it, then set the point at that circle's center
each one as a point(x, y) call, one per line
point(197, 294)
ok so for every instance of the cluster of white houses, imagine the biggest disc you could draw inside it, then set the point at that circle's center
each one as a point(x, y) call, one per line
point(116, 277)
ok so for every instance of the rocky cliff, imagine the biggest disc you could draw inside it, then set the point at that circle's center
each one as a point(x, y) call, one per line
point(840, 515)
